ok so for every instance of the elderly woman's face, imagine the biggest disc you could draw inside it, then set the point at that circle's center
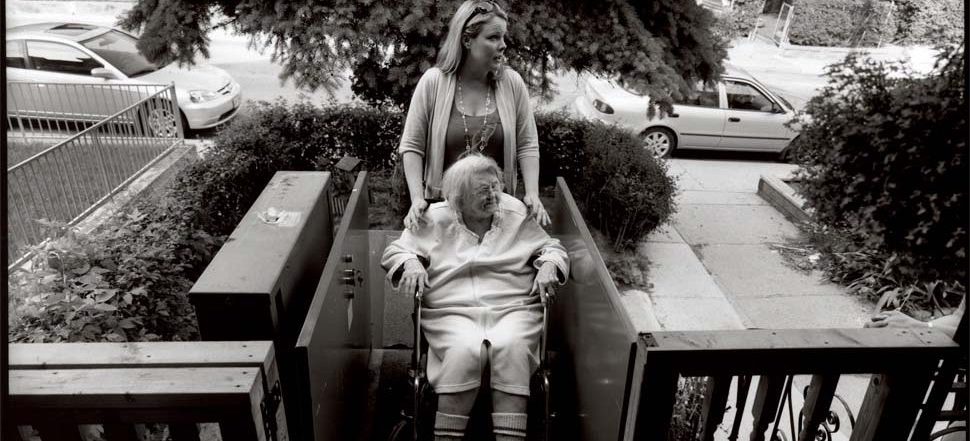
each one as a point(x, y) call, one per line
point(487, 49)
point(485, 191)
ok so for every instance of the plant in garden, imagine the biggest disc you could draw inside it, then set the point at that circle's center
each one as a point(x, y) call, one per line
point(929, 21)
point(739, 21)
point(849, 23)
point(884, 164)
point(660, 47)
point(126, 282)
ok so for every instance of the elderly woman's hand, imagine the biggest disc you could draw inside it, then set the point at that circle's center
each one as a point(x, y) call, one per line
point(414, 279)
point(413, 220)
point(536, 210)
point(545, 282)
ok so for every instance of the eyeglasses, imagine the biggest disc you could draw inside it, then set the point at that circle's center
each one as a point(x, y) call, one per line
point(483, 7)
point(484, 191)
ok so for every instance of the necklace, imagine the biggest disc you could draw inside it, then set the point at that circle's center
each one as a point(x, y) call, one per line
point(480, 144)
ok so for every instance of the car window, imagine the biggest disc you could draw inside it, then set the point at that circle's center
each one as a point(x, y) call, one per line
point(118, 48)
point(15, 54)
point(56, 57)
point(743, 96)
point(702, 95)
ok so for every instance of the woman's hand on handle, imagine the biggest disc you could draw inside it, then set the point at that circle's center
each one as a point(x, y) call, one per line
point(546, 281)
point(415, 216)
point(536, 210)
point(414, 279)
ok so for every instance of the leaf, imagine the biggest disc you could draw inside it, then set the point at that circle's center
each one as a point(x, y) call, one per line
point(103, 295)
point(139, 291)
point(115, 337)
point(105, 307)
point(82, 269)
point(888, 297)
point(127, 298)
point(127, 323)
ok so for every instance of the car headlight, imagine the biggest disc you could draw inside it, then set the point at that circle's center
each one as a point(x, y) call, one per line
point(201, 96)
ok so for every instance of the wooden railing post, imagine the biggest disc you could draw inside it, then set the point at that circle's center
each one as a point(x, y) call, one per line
point(817, 403)
point(891, 403)
point(715, 400)
point(659, 388)
point(765, 405)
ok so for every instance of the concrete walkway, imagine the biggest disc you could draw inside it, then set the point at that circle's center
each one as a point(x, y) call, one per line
point(714, 267)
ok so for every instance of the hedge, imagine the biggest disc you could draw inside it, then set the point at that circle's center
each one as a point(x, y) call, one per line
point(129, 281)
point(739, 21)
point(842, 23)
point(884, 160)
point(929, 21)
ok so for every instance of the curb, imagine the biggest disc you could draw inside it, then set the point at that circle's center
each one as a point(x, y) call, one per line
point(783, 198)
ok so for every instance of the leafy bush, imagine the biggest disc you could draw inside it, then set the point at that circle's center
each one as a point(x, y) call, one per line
point(849, 23)
point(884, 165)
point(276, 136)
point(126, 282)
point(929, 21)
point(739, 21)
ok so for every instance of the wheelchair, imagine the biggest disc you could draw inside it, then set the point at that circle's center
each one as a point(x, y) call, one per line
point(417, 422)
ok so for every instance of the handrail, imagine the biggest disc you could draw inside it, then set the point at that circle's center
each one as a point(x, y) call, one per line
point(56, 387)
point(904, 362)
point(67, 181)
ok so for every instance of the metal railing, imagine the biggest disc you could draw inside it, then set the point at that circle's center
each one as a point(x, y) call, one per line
point(66, 182)
point(52, 111)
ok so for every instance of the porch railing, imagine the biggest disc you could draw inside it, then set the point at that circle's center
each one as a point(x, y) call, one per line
point(66, 182)
point(913, 371)
point(61, 390)
point(41, 111)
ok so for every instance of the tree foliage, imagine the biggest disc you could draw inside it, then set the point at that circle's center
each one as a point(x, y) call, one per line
point(658, 47)
point(884, 158)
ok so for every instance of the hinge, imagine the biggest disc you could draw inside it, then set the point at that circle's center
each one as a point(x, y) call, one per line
point(268, 407)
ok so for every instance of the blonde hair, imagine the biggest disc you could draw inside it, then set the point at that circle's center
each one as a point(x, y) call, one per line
point(456, 182)
point(466, 23)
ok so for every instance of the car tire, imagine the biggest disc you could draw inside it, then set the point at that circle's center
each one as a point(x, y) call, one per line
point(157, 119)
point(659, 142)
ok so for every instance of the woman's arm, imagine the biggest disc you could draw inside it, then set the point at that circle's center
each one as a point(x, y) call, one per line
point(527, 151)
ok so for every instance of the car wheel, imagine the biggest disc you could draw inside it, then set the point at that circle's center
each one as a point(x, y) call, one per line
point(659, 142)
point(158, 119)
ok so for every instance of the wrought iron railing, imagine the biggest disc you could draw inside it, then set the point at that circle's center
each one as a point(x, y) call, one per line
point(66, 182)
point(45, 111)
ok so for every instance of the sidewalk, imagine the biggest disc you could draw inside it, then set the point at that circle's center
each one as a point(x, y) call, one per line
point(714, 267)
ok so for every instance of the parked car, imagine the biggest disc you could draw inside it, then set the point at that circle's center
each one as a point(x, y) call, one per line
point(77, 53)
point(738, 113)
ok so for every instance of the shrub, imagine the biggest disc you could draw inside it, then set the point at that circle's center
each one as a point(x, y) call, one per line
point(303, 137)
point(849, 23)
point(929, 21)
point(277, 136)
point(739, 21)
point(126, 282)
point(884, 162)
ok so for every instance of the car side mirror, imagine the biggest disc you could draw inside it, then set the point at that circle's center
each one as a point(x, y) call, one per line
point(101, 72)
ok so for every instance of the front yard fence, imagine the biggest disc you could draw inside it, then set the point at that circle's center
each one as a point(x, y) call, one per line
point(69, 180)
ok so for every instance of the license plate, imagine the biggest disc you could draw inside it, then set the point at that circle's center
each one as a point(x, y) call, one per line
point(235, 101)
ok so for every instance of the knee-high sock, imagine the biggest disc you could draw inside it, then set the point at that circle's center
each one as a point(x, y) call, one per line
point(510, 424)
point(447, 425)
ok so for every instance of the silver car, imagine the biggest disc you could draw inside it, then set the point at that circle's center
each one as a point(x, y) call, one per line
point(76, 53)
point(738, 113)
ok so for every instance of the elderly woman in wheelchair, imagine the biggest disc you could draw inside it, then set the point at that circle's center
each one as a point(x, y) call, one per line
point(482, 269)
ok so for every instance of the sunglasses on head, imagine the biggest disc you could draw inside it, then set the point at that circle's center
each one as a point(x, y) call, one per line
point(483, 7)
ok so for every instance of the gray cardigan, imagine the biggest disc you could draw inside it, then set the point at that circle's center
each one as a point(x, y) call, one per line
point(427, 124)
